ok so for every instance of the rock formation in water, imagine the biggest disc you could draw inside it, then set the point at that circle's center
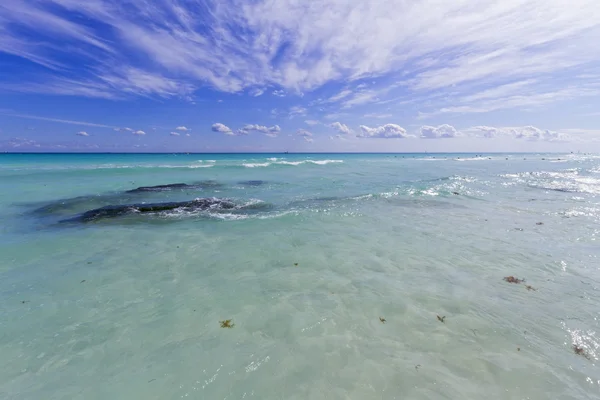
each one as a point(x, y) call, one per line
point(121, 210)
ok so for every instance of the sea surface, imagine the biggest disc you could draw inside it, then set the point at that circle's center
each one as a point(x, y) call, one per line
point(344, 276)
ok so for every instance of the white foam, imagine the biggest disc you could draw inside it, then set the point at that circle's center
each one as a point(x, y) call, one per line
point(293, 163)
point(255, 165)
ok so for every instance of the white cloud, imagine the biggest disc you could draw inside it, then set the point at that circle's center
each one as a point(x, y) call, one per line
point(82, 133)
point(139, 133)
point(273, 130)
point(439, 132)
point(187, 134)
point(278, 93)
point(529, 133)
point(311, 122)
point(256, 92)
point(341, 128)
point(304, 133)
point(174, 134)
point(308, 139)
point(218, 127)
point(387, 131)
point(123, 130)
point(182, 129)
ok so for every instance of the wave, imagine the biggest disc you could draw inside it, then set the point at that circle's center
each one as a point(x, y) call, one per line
point(292, 163)
point(568, 181)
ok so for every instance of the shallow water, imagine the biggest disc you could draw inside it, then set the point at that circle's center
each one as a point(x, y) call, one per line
point(129, 307)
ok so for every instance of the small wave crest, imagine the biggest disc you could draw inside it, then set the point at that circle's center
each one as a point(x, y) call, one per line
point(569, 181)
point(292, 163)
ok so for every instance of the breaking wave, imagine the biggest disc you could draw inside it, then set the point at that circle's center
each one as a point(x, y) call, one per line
point(274, 161)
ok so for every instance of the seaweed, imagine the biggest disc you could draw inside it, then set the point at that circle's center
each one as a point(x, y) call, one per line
point(529, 287)
point(539, 223)
point(442, 319)
point(580, 351)
point(512, 279)
point(295, 264)
point(226, 324)
point(382, 320)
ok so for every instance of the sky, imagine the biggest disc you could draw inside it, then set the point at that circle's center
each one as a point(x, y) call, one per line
point(299, 75)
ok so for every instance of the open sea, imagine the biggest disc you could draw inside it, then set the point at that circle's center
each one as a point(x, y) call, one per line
point(340, 276)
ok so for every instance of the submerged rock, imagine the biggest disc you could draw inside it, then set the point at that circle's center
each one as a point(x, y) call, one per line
point(121, 210)
point(171, 186)
point(159, 188)
point(252, 183)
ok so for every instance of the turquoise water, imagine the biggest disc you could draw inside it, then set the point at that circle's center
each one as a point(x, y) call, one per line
point(129, 307)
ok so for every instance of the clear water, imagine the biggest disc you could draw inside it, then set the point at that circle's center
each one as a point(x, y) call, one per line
point(129, 307)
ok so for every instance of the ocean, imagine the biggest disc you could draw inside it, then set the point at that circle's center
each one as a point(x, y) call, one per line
point(335, 276)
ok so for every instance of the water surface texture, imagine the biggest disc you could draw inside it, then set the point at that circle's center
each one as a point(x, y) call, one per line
point(332, 268)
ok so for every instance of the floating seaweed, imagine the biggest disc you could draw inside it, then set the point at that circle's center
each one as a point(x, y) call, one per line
point(441, 319)
point(382, 320)
point(295, 264)
point(456, 193)
point(512, 279)
point(226, 324)
point(539, 223)
point(580, 351)
point(529, 287)
point(417, 366)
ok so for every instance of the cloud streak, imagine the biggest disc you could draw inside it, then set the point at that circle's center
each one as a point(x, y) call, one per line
point(171, 48)
point(61, 121)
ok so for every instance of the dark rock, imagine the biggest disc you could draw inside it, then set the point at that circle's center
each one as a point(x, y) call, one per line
point(171, 186)
point(122, 210)
point(159, 188)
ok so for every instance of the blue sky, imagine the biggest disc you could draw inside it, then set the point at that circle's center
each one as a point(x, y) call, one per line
point(319, 75)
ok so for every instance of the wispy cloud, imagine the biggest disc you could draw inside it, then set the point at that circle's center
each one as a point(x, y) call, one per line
point(297, 111)
point(341, 128)
point(169, 48)
point(175, 134)
point(82, 133)
point(304, 133)
point(182, 129)
point(62, 121)
point(139, 133)
point(377, 115)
